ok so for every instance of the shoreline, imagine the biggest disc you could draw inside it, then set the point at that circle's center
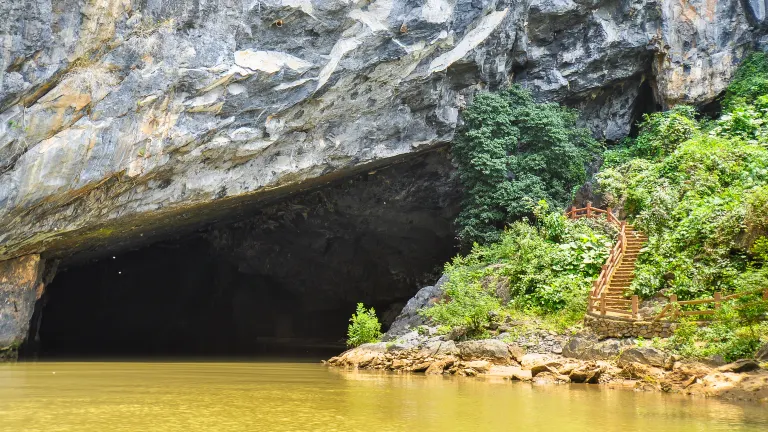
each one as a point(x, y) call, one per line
point(624, 366)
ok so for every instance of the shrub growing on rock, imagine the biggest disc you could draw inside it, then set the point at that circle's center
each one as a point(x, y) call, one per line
point(364, 327)
point(544, 269)
point(514, 152)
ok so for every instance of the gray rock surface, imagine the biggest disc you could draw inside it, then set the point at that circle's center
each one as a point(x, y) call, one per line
point(645, 355)
point(410, 318)
point(21, 285)
point(491, 349)
point(762, 354)
point(129, 118)
point(740, 366)
point(587, 347)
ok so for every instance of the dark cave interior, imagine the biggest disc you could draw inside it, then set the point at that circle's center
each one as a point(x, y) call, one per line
point(283, 280)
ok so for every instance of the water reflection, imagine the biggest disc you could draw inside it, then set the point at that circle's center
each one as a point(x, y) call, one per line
point(308, 397)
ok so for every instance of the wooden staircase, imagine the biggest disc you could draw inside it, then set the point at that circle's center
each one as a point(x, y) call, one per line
point(618, 285)
point(609, 291)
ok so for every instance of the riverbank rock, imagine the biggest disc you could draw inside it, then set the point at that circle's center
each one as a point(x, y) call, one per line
point(589, 373)
point(740, 366)
point(514, 373)
point(587, 347)
point(365, 356)
point(490, 349)
point(410, 318)
point(647, 356)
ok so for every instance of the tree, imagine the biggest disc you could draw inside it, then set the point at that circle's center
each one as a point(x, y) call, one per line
point(512, 153)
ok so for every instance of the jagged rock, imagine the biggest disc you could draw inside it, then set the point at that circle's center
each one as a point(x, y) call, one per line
point(21, 285)
point(437, 367)
point(645, 355)
point(516, 352)
point(122, 119)
point(491, 349)
point(762, 354)
point(588, 373)
point(740, 366)
point(409, 318)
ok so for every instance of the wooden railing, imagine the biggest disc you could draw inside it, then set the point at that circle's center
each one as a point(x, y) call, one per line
point(597, 296)
point(673, 309)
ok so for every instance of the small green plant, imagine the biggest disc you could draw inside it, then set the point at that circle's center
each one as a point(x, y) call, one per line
point(364, 327)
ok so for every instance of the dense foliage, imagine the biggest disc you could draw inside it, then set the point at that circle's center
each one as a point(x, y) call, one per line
point(364, 327)
point(700, 190)
point(512, 153)
point(544, 270)
point(737, 331)
point(701, 193)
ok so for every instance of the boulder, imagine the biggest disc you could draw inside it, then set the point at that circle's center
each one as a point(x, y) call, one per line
point(645, 355)
point(409, 318)
point(481, 366)
point(436, 348)
point(513, 373)
point(366, 355)
point(588, 373)
point(490, 349)
point(587, 347)
point(550, 378)
point(528, 361)
point(762, 354)
point(437, 367)
point(516, 352)
point(740, 366)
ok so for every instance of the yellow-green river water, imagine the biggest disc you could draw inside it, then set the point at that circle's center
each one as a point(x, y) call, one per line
point(285, 396)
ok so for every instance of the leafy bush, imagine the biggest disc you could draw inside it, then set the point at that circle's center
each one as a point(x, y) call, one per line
point(737, 332)
point(702, 206)
point(750, 81)
point(545, 269)
point(364, 327)
point(514, 152)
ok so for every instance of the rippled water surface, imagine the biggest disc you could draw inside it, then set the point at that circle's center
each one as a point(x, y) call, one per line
point(261, 396)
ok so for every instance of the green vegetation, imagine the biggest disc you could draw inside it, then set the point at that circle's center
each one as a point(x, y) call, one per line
point(364, 327)
point(699, 188)
point(701, 193)
point(514, 152)
point(544, 270)
point(736, 332)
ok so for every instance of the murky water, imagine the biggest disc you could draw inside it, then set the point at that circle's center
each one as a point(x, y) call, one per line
point(308, 397)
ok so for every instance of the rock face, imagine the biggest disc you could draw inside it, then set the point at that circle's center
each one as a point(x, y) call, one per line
point(123, 118)
point(21, 285)
point(409, 317)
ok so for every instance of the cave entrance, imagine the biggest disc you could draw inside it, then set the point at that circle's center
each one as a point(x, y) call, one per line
point(282, 280)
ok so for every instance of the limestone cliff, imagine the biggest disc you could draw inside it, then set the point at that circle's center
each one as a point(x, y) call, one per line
point(131, 119)
point(125, 117)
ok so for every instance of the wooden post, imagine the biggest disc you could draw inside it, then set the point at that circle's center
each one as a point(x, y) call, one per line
point(634, 306)
point(673, 302)
point(589, 209)
point(765, 295)
point(608, 214)
point(573, 212)
point(602, 303)
point(718, 299)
